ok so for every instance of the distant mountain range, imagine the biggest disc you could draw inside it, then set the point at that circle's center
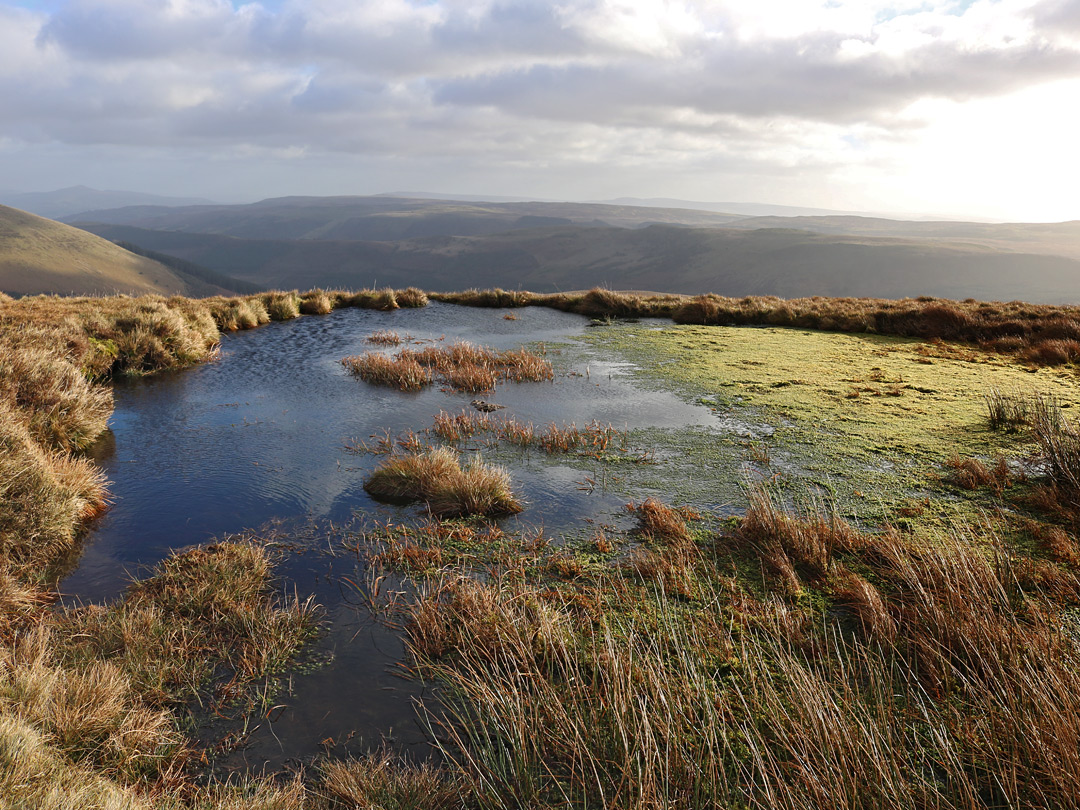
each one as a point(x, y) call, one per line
point(543, 246)
point(38, 255)
point(78, 199)
point(446, 244)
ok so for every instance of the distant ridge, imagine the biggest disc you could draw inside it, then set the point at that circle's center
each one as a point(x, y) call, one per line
point(78, 199)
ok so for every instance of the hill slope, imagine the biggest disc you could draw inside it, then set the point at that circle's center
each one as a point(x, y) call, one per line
point(783, 262)
point(39, 255)
point(390, 218)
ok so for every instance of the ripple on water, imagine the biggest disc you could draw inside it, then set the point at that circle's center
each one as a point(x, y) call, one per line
point(258, 436)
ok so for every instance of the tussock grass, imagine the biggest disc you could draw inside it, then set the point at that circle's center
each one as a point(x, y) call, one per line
point(385, 781)
point(384, 337)
point(403, 373)
point(658, 521)
point(437, 478)
point(460, 366)
point(1006, 411)
point(1059, 442)
point(207, 613)
point(282, 306)
point(44, 497)
point(1042, 334)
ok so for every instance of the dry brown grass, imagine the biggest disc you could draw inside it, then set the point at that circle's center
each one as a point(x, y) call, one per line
point(384, 337)
point(437, 478)
point(460, 366)
point(384, 780)
point(316, 302)
point(658, 521)
point(1042, 334)
point(959, 690)
point(403, 373)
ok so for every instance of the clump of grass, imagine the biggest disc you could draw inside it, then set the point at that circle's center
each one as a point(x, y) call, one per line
point(384, 337)
point(282, 306)
point(1059, 442)
point(469, 378)
point(44, 498)
point(232, 314)
point(436, 477)
point(971, 473)
point(209, 613)
point(1007, 412)
point(61, 407)
point(658, 521)
point(400, 372)
point(384, 780)
point(455, 427)
point(94, 714)
point(805, 542)
point(412, 298)
point(460, 366)
point(316, 302)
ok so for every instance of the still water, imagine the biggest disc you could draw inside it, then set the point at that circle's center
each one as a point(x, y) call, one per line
point(257, 439)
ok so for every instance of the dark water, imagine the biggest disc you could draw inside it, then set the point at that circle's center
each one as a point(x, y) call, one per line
point(258, 436)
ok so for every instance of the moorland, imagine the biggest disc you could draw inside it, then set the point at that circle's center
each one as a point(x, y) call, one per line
point(883, 613)
point(446, 245)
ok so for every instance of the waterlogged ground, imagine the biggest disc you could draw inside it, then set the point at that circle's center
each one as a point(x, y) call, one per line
point(863, 422)
point(256, 441)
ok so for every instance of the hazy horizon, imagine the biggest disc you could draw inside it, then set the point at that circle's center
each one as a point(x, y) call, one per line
point(962, 109)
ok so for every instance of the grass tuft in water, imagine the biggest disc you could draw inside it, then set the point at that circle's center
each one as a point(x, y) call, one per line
point(437, 478)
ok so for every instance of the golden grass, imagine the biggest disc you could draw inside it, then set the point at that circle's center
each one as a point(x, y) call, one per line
point(385, 781)
point(402, 373)
point(957, 689)
point(460, 366)
point(1041, 334)
point(436, 477)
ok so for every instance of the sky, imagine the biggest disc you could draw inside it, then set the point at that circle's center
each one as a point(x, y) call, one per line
point(934, 108)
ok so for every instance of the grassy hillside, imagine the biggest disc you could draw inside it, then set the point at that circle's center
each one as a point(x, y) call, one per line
point(39, 255)
point(788, 263)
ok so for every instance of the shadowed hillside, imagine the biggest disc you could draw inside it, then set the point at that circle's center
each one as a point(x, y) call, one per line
point(788, 263)
point(390, 218)
point(39, 255)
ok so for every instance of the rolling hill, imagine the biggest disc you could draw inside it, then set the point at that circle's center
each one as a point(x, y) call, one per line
point(38, 255)
point(383, 218)
point(770, 261)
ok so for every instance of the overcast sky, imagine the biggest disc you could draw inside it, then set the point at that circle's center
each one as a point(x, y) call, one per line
point(885, 105)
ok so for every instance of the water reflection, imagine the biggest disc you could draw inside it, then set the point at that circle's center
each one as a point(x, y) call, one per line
point(258, 436)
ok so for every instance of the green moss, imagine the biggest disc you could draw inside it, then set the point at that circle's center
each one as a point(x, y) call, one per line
point(864, 421)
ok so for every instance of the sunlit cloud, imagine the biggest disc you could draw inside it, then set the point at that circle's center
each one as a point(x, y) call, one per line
point(692, 99)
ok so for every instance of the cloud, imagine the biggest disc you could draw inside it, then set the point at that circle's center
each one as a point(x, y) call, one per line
point(727, 85)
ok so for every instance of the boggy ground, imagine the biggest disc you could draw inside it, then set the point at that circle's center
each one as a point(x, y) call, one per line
point(788, 658)
point(922, 653)
point(867, 421)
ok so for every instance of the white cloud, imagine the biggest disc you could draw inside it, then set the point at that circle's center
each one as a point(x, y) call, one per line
point(704, 92)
